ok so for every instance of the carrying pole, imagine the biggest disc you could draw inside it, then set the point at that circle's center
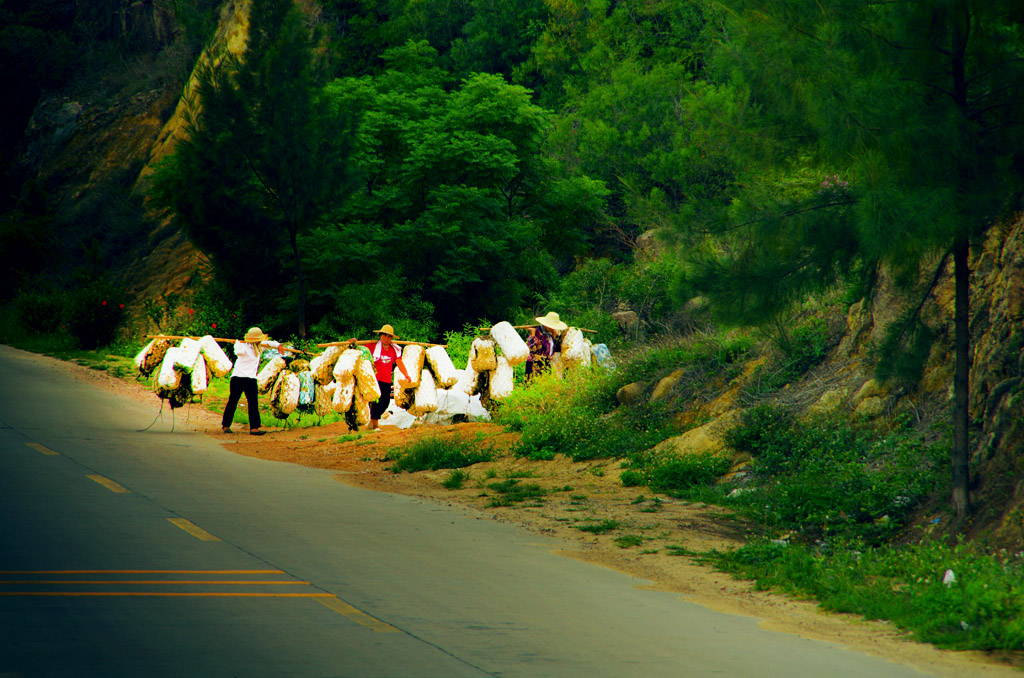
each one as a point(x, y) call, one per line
point(373, 341)
point(219, 340)
point(526, 327)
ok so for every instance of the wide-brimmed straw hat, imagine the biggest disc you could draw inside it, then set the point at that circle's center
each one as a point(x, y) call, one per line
point(552, 322)
point(387, 329)
point(255, 335)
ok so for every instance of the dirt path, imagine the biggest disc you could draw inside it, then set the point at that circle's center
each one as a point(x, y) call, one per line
point(648, 532)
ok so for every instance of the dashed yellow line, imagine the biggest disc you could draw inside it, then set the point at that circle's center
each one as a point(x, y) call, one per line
point(193, 529)
point(162, 594)
point(356, 615)
point(111, 485)
point(10, 572)
point(44, 449)
point(157, 582)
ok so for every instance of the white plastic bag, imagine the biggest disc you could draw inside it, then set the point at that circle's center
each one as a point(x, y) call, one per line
point(574, 348)
point(502, 380)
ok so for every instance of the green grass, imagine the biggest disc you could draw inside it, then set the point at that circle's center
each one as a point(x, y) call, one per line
point(629, 540)
point(982, 610)
point(434, 452)
point(511, 491)
point(455, 479)
point(606, 525)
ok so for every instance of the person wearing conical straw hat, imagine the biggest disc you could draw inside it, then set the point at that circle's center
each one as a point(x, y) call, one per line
point(386, 356)
point(243, 379)
point(543, 341)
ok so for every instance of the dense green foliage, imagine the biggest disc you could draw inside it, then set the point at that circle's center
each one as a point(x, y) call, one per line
point(874, 483)
point(434, 452)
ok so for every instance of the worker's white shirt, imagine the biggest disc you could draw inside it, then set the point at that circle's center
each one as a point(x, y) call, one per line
point(248, 361)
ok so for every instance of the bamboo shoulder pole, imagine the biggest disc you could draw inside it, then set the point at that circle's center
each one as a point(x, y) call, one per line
point(526, 327)
point(373, 341)
point(219, 340)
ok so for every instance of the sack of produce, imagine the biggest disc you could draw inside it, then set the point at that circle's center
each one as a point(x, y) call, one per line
point(574, 347)
point(413, 357)
point(322, 405)
point(306, 391)
point(169, 377)
point(469, 382)
point(267, 376)
point(588, 355)
point(445, 374)
point(361, 408)
point(403, 394)
point(510, 343)
point(425, 396)
point(482, 356)
point(199, 375)
point(344, 391)
point(186, 356)
point(140, 357)
point(284, 396)
point(502, 380)
point(216, 358)
point(154, 356)
point(346, 363)
point(322, 366)
point(366, 380)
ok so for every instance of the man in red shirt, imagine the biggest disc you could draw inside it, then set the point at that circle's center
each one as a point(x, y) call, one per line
point(386, 355)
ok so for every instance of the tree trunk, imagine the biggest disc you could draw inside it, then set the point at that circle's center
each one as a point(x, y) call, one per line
point(300, 281)
point(961, 380)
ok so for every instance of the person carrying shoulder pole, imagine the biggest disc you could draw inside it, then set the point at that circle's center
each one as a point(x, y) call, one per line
point(243, 379)
point(386, 355)
point(545, 339)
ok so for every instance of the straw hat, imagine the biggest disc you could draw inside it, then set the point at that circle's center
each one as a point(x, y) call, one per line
point(255, 335)
point(552, 322)
point(387, 329)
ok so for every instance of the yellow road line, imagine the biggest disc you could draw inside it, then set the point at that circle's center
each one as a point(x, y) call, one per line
point(133, 582)
point(162, 594)
point(356, 615)
point(44, 449)
point(10, 572)
point(193, 529)
point(111, 485)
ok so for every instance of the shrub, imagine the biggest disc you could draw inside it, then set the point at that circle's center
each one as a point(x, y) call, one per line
point(682, 473)
point(94, 314)
point(40, 312)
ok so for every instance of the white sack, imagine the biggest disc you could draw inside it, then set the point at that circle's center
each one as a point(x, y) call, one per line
point(574, 348)
point(344, 391)
point(362, 409)
point(186, 356)
point(322, 366)
point(346, 365)
point(413, 357)
point(445, 374)
point(511, 344)
point(216, 358)
point(169, 377)
point(199, 382)
point(265, 379)
point(366, 380)
point(502, 379)
point(482, 356)
point(425, 398)
point(140, 359)
point(284, 397)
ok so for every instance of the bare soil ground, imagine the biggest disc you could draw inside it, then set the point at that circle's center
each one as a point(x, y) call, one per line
point(577, 494)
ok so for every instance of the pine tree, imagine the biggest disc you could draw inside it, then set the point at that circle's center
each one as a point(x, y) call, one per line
point(266, 155)
point(870, 133)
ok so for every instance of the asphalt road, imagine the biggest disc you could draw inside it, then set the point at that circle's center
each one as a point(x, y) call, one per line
point(157, 553)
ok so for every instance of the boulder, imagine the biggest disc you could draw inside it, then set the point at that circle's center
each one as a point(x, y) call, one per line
point(701, 440)
point(664, 388)
point(630, 394)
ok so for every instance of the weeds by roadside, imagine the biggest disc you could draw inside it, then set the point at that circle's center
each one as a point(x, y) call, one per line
point(435, 452)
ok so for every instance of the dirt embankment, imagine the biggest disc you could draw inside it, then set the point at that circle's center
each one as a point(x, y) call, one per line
point(648, 532)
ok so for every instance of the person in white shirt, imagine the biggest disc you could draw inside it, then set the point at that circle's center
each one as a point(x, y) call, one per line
point(243, 379)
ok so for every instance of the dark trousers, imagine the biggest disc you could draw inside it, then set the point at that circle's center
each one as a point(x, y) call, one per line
point(380, 407)
point(238, 387)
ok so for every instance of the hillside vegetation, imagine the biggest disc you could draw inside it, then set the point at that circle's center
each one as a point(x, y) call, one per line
point(796, 224)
